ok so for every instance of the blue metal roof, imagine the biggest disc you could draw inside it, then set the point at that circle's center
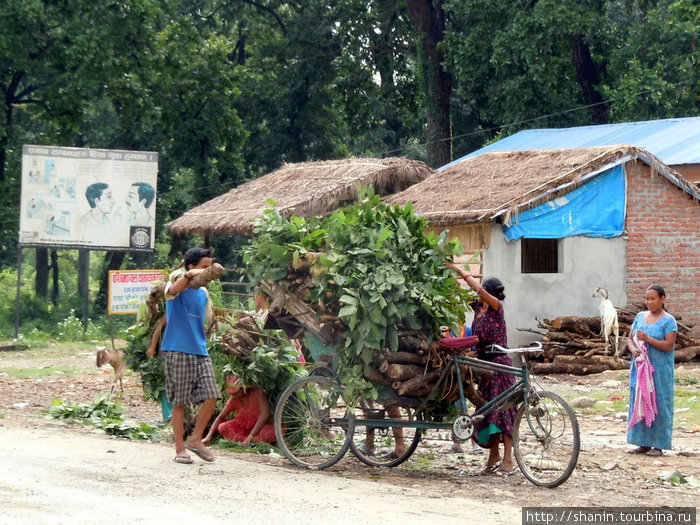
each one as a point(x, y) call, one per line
point(673, 141)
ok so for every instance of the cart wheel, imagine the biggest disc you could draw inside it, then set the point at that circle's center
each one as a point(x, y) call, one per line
point(312, 423)
point(546, 439)
point(376, 445)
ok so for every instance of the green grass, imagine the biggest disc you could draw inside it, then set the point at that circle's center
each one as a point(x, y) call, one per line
point(684, 397)
point(62, 371)
point(687, 398)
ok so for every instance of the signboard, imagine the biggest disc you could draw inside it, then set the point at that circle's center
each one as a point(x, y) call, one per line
point(88, 198)
point(129, 288)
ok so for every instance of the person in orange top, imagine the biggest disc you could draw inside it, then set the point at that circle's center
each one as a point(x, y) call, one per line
point(252, 420)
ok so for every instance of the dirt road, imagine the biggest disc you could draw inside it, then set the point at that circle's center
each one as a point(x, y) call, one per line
point(54, 473)
point(51, 474)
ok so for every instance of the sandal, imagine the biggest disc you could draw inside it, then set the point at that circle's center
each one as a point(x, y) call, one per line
point(654, 452)
point(203, 454)
point(365, 450)
point(490, 469)
point(183, 459)
point(390, 455)
point(639, 450)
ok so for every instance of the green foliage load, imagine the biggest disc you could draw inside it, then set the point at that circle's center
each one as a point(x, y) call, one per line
point(272, 365)
point(372, 265)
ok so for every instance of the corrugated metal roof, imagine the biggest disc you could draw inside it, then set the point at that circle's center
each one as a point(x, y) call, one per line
point(673, 141)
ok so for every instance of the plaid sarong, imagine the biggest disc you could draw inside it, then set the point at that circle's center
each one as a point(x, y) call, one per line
point(189, 378)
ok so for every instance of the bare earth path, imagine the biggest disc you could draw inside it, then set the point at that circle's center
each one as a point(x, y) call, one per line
point(54, 473)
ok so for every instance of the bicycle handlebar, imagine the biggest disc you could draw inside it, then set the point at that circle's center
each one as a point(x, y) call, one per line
point(535, 346)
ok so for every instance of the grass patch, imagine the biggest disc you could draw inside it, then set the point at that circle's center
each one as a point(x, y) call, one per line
point(28, 373)
point(610, 402)
point(686, 399)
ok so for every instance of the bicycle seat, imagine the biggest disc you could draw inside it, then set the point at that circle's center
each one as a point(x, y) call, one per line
point(459, 343)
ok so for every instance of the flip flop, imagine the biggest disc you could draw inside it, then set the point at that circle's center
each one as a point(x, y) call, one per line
point(364, 449)
point(510, 472)
point(489, 469)
point(204, 455)
point(655, 452)
point(183, 459)
point(639, 450)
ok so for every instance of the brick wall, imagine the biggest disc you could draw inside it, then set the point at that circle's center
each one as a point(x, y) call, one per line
point(663, 228)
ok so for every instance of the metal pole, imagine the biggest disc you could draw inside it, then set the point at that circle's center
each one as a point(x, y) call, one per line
point(19, 290)
point(85, 273)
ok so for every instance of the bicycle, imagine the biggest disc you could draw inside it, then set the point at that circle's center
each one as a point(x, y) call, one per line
point(315, 426)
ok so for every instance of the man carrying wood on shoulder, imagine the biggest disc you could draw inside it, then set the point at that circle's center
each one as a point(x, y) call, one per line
point(189, 372)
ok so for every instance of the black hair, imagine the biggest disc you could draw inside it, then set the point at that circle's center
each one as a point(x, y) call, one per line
point(94, 192)
point(145, 192)
point(658, 289)
point(494, 286)
point(194, 255)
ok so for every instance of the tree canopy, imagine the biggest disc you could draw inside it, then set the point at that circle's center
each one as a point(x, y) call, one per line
point(227, 90)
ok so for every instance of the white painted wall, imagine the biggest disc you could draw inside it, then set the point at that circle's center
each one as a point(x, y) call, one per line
point(585, 264)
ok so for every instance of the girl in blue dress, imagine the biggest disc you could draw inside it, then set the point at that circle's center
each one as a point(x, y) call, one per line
point(657, 329)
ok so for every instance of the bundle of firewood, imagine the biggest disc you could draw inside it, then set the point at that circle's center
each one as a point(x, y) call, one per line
point(416, 368)
point(574, 345)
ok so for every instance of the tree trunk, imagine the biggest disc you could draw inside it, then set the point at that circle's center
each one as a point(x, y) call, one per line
point(54, 272)
point(587, 72)
point(41, 281)
point(428, 20)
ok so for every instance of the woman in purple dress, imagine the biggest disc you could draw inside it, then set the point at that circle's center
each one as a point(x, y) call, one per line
point(490, 326)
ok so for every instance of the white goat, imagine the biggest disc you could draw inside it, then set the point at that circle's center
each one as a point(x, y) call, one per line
point(608, 319)
point(116, 359)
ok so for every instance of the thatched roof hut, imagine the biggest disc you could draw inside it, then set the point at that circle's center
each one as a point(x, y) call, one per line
point(479, 189)
point(304, 189)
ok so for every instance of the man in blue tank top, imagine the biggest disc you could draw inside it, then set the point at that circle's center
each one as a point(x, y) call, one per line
point(189, 371)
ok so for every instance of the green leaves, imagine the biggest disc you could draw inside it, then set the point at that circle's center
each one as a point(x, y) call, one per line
point(381, 273)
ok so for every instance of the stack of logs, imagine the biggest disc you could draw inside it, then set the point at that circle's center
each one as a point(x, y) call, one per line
point(415, 369)
point(573, 345)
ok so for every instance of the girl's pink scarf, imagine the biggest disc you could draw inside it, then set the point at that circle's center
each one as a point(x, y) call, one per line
point(644, 407)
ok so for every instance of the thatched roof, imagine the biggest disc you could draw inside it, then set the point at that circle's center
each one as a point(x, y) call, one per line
point(481, 188)
point(303, 189)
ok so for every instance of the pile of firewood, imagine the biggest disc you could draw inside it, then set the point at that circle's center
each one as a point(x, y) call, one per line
point(413, 370)
point(573, 345)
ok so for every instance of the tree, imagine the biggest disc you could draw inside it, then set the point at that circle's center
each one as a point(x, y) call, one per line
point(428, 21)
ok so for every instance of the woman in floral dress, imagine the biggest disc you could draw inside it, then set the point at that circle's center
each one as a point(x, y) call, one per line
point(489, 326)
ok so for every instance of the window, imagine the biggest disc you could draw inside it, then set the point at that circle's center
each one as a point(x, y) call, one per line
point(539, 255)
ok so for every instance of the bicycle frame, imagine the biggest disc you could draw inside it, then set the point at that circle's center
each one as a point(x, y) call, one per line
point(521, 385)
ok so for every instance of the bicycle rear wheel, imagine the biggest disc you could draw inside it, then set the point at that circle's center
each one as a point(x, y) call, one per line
point(546, 439)
point(312, 422)
point(385, 446)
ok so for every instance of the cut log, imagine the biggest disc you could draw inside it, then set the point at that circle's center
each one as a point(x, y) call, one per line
point(402, 372)
point(405, 358)
point(683, 355)
point(208, 275)
point(581, 325)
point(577, 369)
point(375, 376)
point(611, 362)
point(412, 384)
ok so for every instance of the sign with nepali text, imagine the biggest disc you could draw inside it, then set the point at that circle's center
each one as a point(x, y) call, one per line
point(129, 288)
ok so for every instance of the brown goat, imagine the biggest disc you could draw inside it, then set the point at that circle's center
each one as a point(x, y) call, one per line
point(114, 357)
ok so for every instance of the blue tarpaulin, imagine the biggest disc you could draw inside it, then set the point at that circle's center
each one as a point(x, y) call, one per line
point(596, 209)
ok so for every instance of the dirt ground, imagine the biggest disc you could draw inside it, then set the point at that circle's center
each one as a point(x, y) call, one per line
point(605, 475)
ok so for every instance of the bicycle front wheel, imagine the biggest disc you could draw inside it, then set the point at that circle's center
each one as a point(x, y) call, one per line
point(385, 446)
point(312, 422)
point(546, 439)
